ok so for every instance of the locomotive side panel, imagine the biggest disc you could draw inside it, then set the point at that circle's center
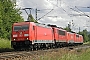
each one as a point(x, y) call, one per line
point(62, 35)
point(77, 38)
point(43, 35)
point(81, 39)
point(70, 37)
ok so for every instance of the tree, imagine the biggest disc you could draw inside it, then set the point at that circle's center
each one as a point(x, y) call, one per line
point(8, 15)
point(89, 36)
point(85, 35)
point(67, 29)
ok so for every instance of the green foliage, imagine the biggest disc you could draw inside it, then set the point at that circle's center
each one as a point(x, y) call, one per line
point(8, 15)
point(85, 35)
point(89, 36)
point(68, 29)
point(83, 55)
point(5, 43)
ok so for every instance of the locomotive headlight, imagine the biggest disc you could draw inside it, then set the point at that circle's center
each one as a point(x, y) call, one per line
point(15, 35)
point(26, 34)
point(14, 39)
point(27, 38)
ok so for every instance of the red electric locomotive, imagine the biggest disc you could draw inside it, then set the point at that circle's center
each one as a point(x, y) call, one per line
point(30, 34)
point(70, 38)
point(79, 39)
point(60, 36)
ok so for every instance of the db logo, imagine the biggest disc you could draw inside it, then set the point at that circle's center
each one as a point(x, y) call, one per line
point(20, 33)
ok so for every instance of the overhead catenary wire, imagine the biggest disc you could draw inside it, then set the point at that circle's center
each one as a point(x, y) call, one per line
point(69, 8)
point(65, 10)
point(83, 12)
point(83, 6)
point(80, 12)
point(45, 14)
point(60, 7)
point(73, 10)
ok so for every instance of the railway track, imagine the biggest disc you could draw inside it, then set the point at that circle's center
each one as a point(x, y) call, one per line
point(28, 55)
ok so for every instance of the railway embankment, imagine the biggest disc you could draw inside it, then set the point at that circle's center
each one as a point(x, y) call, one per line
point(65, 53)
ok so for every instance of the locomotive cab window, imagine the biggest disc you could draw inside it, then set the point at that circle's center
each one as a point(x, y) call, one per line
point(16, 28)
point(24, 27)
point(60, 32)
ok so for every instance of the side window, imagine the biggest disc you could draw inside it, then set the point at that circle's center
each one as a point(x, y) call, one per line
point(25, 27)
point(33, 27)
point(61, 32)
point(16, 28)
point(77, 35)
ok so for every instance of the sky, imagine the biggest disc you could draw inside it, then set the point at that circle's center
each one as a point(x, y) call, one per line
point(64, 12)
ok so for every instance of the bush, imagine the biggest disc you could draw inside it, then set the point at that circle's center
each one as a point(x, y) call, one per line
point(5, 43)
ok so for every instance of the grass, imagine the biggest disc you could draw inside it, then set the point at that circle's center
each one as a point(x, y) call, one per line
point(85, 55)
point(82, 54)
point(87, 42)
point(4, 43)
point(75, 55)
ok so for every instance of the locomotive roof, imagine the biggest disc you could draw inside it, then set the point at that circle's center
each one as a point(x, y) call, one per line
point(21, 23)
point(42, 25)
point(71, 32)
point(37, 24)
